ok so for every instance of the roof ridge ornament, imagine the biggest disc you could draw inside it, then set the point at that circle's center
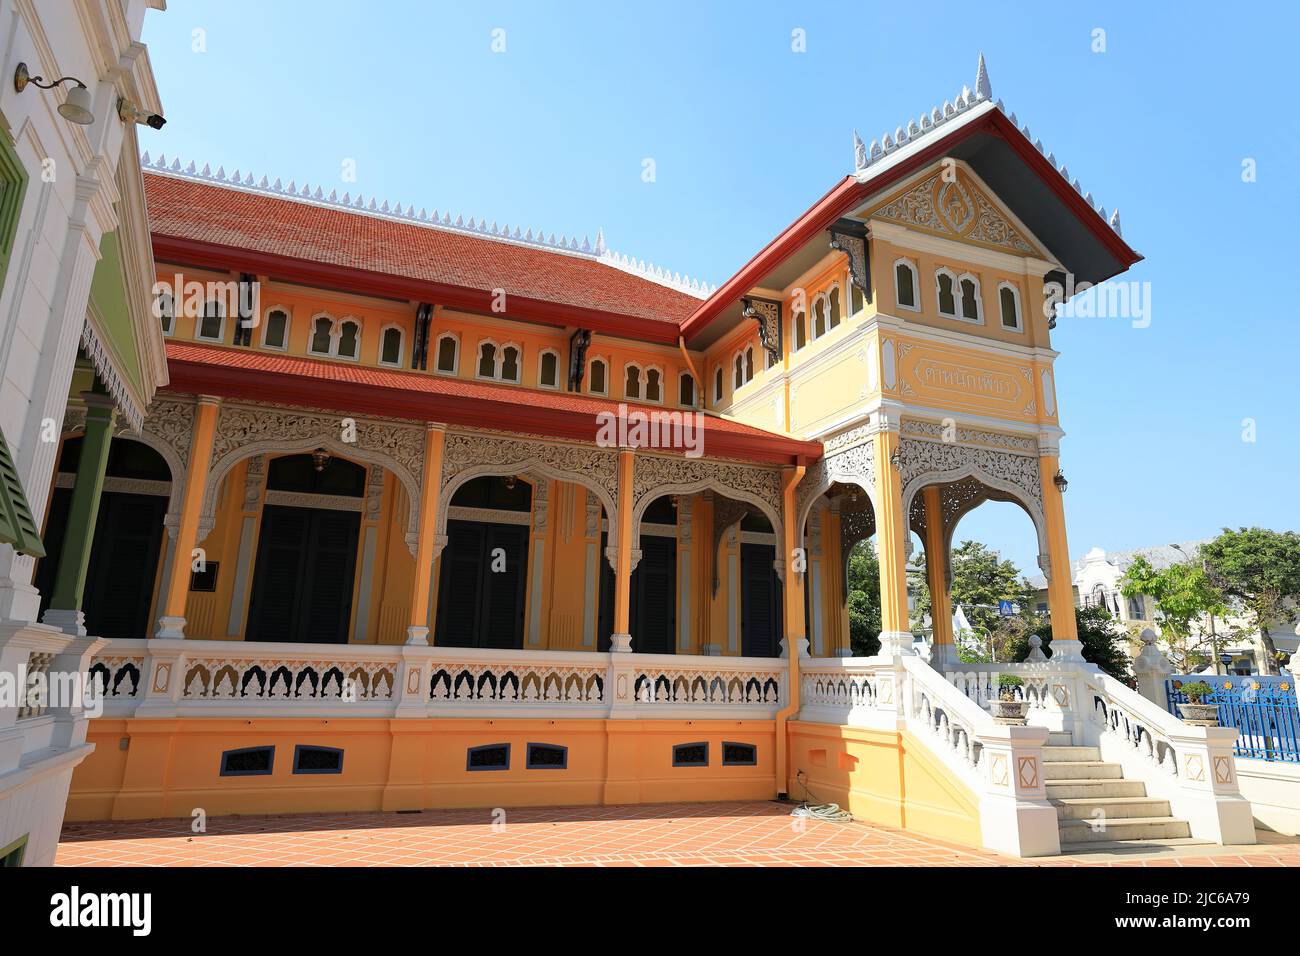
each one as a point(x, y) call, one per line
point(983, 88)
point(904, 137)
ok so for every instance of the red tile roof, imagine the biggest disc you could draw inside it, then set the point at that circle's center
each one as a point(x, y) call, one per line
point(363, 390)
point(273, 225)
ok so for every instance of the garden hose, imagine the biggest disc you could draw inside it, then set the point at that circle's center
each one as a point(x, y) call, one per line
point(818, 811)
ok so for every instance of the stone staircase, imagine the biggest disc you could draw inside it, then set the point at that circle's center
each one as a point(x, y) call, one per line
point(1097, 809)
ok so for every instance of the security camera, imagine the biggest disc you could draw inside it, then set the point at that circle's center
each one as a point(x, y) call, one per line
point(128, 113)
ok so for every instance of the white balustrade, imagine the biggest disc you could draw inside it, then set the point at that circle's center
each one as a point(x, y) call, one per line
point(228, 678)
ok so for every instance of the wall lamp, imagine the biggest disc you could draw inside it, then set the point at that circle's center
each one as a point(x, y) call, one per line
point(1059, 480)
point(74, 109)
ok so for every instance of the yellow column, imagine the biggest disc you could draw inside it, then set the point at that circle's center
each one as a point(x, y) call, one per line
point(621, 639)
point(172, 622)
point(936, 573)
point(1060, 590)
point(792, 607)
point(891, 539)
point(417, 631)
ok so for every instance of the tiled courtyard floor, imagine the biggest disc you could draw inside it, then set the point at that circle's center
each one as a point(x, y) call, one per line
point(712, 834)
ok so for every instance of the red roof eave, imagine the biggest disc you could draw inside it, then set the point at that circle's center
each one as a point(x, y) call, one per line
point(848, 193)
point(362, 281)
point(358, 390)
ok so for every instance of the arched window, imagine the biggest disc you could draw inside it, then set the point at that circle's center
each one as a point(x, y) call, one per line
point(970, 299)
point(946, 287)
point(548, 369)
point(800, 333)
point(905, 285)
point(164, 307)
point(596, 375)
point(448, 354)
point(738, 379)
point(749, 364)
point(833, 297)
point(686, 389)
point(212, 325)
point(654, 385)
point(390, 346)
point(717, 385)
point(487, 360)
point(821, 308)
point(631, 381)
point(349, 343)
point(275, 329)
point(1009, 302)
point(510, 363)
point(322, 335)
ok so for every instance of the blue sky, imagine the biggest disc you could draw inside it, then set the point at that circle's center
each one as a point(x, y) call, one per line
point(746, 134)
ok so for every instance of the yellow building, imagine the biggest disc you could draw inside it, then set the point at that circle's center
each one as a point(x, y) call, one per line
point(433, 513)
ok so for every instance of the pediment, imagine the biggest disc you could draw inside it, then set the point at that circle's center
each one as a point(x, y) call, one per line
point(951, 202)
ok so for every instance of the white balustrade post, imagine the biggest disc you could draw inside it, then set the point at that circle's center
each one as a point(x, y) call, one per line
point(1152, 669)
point(412, 690)
point(620, 684)
point(68, 670)
point(1015, 815)
point(163, 678)
point(1208, 796)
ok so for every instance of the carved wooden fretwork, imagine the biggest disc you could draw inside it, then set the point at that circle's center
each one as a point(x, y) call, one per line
point(244, 430)
point(727, 514)
point(953, 206)
point(579, 342)
point(656, 475)
point(857, 525)
point(467, 456)
point(167, 429)
point(850, 238)
point(254, 480)
point(935, 431)
point(374, 493)
point(968, 476)
point(767, 313)
point(849, 459)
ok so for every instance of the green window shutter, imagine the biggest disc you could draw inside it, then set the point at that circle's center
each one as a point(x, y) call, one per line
point(17, 527)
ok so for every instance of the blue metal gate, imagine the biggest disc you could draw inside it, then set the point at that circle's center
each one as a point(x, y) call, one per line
point(1264, 711)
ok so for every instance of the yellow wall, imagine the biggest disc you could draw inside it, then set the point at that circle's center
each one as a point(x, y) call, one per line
point(880, 777)
point(171, 767)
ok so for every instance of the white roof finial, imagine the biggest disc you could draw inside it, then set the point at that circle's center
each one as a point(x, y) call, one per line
point(859, 152)
point(983, 88)
point(1114, 222)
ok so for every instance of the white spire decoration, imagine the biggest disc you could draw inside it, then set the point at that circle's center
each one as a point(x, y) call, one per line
point(983, 87)
point(905, 136)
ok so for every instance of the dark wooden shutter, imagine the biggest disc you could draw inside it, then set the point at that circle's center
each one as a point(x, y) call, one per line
point(655, 586)
point(277, 575)
point(331, 567)
point(460, 596)
point(505, 590)
point(123, 564)
point(760, 610)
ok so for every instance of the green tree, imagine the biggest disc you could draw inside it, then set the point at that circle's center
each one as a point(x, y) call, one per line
point(864, 600)
point(1259, 570)
point(980, 579)
point(1102, 639)
point(1186, 597)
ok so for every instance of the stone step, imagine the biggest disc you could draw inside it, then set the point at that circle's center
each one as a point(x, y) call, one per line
point(1058, 754)
point(1126, 829)
point(1132, 847)
point(1110, 808)
point(1060, 738)
point(1083, 787)
point(1061, 770)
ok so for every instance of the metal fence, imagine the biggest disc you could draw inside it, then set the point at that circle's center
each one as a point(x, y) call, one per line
point(1263, 709)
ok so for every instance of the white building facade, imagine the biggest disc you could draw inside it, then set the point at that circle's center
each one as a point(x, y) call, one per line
point(75, 312)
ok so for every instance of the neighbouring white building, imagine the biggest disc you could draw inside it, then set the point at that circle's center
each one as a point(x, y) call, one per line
point(76, 268)
point(1096, 578)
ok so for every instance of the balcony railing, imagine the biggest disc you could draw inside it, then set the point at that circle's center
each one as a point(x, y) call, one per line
point(235, 678)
